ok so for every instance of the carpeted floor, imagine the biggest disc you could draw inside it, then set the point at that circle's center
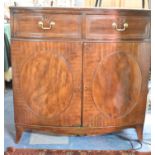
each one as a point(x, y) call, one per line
point(45, 141)
point(14, 151)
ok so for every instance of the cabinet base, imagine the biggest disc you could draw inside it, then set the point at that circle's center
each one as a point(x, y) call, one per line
point(78, 131)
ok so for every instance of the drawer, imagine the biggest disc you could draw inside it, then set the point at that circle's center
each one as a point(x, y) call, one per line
point(117, 27)
point(31, 25)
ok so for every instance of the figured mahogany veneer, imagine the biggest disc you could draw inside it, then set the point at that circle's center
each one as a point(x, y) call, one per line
point(81, 75)
point(26, 25)
point(99, 27)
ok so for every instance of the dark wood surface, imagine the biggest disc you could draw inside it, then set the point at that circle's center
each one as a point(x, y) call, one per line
point(81, 77)
point(13, 151)
point(115, 83)
point(100, 27)
point(26, 25)
point(71, 22)
point(47, 83)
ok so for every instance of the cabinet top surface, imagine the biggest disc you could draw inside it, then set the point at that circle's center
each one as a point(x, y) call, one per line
point(80, 9)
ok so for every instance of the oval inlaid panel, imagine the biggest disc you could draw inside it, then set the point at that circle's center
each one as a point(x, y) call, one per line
point(46, 83)
point(116, 85)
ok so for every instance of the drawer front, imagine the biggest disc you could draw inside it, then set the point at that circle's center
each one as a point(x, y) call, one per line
point(50, 26)
point(117, 27)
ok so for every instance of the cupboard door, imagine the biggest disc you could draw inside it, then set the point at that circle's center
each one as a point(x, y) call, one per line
point(115, 83)
point(47, 83)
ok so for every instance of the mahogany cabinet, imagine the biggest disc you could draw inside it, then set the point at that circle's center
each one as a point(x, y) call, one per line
point(79, 71)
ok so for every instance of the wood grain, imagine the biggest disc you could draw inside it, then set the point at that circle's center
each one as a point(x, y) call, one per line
point(51, 83)
point(26, 25)
point(82, 77)
point(100, 27)
point(47, 83)
point(69, 23)
point(114, 83)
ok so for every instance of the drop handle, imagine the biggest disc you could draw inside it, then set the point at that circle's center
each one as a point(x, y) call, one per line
point(41, 25)
point(115, 26)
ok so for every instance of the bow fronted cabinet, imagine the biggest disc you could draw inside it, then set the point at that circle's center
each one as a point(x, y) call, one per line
point(79, 71)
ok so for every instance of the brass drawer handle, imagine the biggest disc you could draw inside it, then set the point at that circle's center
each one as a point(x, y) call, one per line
point(41, 25)
point(114, 25)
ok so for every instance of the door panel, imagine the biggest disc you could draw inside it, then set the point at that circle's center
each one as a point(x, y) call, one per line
point(47, 83)
point(114, 78)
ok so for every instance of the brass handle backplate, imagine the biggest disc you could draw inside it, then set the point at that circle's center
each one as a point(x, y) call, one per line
point(41, 25)
point(115, 26)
